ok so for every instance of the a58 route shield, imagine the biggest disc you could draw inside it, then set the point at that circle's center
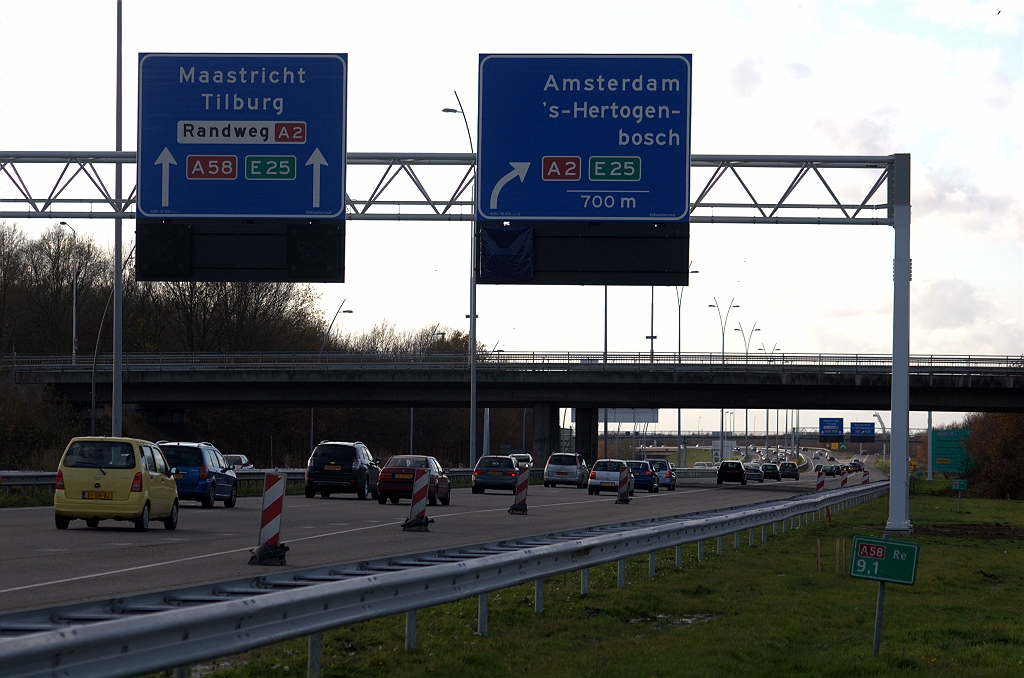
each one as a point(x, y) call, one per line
point(584, 137)
point(242, 135)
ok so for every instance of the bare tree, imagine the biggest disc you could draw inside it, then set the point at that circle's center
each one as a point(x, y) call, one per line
point(12, 270)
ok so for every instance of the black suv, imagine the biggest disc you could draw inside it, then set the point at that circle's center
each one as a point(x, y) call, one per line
point(342, 467)
point(733, 472)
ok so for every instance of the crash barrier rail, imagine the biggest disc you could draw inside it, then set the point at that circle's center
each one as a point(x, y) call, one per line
point(151, 632)
point(533, 360)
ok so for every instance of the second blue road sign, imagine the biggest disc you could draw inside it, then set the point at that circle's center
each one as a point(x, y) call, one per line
point(584, 137)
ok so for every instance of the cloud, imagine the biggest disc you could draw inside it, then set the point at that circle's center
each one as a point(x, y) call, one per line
point(952, 194)
point(799, 71)
point(745, 78)
point(950, 303)
point(866, 135)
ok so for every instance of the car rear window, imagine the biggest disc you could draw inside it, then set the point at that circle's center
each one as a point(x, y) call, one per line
point(731, 465)
point(660, 465)
point(562, 460)
point(788, 464)
point(182, 456)
point(495, 462)
point(607, 465)
point(637, 465)
point(335, 453)
point(100, 454)
point(407, 462)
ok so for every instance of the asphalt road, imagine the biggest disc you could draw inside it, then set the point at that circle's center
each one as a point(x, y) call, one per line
point(42, 566)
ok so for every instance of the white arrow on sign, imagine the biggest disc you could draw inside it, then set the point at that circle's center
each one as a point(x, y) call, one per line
point(165, 159)
point(519, 170)
point(316, 160)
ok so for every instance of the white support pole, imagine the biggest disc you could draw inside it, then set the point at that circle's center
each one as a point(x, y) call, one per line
point(929, 446)
point(313, 661)
point(115, 400)
point(472, 361)
point(481, 614)
point(899, 472)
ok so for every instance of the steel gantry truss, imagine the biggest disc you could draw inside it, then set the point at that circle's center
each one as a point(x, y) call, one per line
point(439, 187)
point(815, 190)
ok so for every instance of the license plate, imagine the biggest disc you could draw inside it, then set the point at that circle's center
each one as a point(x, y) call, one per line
point(97, 495)
point(403, 476)
point(494, 473)
point(332, 467)
point(563, 473)
point(610, 484)
point(177, 476)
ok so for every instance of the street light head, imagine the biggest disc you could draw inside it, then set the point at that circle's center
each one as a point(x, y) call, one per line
point(348, 310)
point(711, 305)
point(694, 272)
point(450, 110)
point(756, 329)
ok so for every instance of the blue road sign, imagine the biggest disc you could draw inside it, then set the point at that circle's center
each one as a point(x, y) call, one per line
point(830, 429)
point(242, 135)
point(584, 137)
point(862, 432)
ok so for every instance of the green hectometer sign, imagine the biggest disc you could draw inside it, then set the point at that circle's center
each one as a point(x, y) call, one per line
point(960, 484)
point(884, 560)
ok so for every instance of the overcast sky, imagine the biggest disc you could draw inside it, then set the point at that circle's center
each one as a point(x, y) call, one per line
point(939, 80)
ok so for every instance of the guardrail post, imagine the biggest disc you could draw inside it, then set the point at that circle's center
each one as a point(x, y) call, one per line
point(679, 556)
point(181, 672)
point(313, 662)
point(650, 565)
point(481, 614)
point(764, 534)
point(719, 546)
point(751, 536)
point(538, 596)
point(585, 581)
point(775, 529)
point(410, 630)
point(622, 573)
point(783, 526)
point(700, 551)
point(736, 540)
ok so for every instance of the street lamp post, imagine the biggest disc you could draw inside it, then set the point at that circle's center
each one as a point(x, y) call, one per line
point(768, 354)
point(472, 304)
point(722, 322)
point(679, 356)
point(312, 442)
point(74, 296)
point(747, 336)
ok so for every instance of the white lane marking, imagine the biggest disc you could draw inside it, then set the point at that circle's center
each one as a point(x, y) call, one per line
point(51, 550)
point(178, 560)
point(312, 536)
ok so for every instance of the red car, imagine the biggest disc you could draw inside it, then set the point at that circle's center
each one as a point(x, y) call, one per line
point(395, 480)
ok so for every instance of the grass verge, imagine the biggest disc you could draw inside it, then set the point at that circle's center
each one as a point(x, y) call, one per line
point(761, 611)
point(26, 496)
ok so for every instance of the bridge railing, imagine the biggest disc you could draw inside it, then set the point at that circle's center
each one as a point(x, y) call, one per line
point(532, 360)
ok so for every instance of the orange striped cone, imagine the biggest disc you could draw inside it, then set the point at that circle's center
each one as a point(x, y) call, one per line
point(623, 497)
point(821, 482)
point(843, 482)
point(522, 484)
point(418, 521)
point(864, 480)
point(269, 550)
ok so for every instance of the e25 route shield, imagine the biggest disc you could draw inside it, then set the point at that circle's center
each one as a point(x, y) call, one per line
point(884, 560)
point(242, 135)
point(584, 137)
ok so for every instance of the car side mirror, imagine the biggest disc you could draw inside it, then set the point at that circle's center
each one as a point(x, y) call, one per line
point(377, 462)
point(172, 470)
point(446, 471)
point(231, 467)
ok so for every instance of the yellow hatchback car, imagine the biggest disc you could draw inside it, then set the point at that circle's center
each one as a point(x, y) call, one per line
point(115, 479)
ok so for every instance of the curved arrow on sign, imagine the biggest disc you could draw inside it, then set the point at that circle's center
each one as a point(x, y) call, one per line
point(519, 170)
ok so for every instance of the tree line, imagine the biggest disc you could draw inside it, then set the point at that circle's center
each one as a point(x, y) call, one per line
point(38, 281)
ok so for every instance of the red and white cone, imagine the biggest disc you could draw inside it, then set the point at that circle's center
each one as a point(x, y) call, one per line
point(418, 521)
point(269, 550)
point(864, 480)
point(843, 482)
point(522, 484)
point(623, 497)
point(821, 482)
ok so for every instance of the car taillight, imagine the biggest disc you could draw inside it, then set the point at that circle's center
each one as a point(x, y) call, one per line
point(137, 482)
point(203, 473)
point(647, 473)
point(510, 473)
point(355, 464)
point(59, 485)
point(476, 472)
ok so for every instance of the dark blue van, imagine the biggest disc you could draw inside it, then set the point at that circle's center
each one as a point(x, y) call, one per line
point(203, 474)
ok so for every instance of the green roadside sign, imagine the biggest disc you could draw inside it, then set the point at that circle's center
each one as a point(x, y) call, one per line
point(960, 484)
point(948, 450)
point(884, 560)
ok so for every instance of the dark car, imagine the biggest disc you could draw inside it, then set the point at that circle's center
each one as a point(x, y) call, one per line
point(732, 472)
point(396, 479)
point(771, 471)
point(203, 474)
point(495, 472)
point(645, 477)
point(789, 469)
point(830, 470)
point(754, 472)
point(342, 467)
point(818, 467)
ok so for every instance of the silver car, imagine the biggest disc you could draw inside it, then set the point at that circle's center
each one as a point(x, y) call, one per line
point(605, 476)
point(666, 477)
point(566, 469)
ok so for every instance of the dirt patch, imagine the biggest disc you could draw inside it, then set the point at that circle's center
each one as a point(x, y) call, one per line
point(970, 531)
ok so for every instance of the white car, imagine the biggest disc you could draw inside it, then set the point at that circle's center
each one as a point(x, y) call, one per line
point(605, 476)
point(566, 469)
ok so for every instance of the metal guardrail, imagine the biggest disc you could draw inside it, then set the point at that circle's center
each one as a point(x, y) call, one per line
point(532, 360)
point(151, 632)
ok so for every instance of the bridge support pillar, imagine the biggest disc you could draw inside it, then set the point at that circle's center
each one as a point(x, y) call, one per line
point(546, 433)
point(586, 433)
